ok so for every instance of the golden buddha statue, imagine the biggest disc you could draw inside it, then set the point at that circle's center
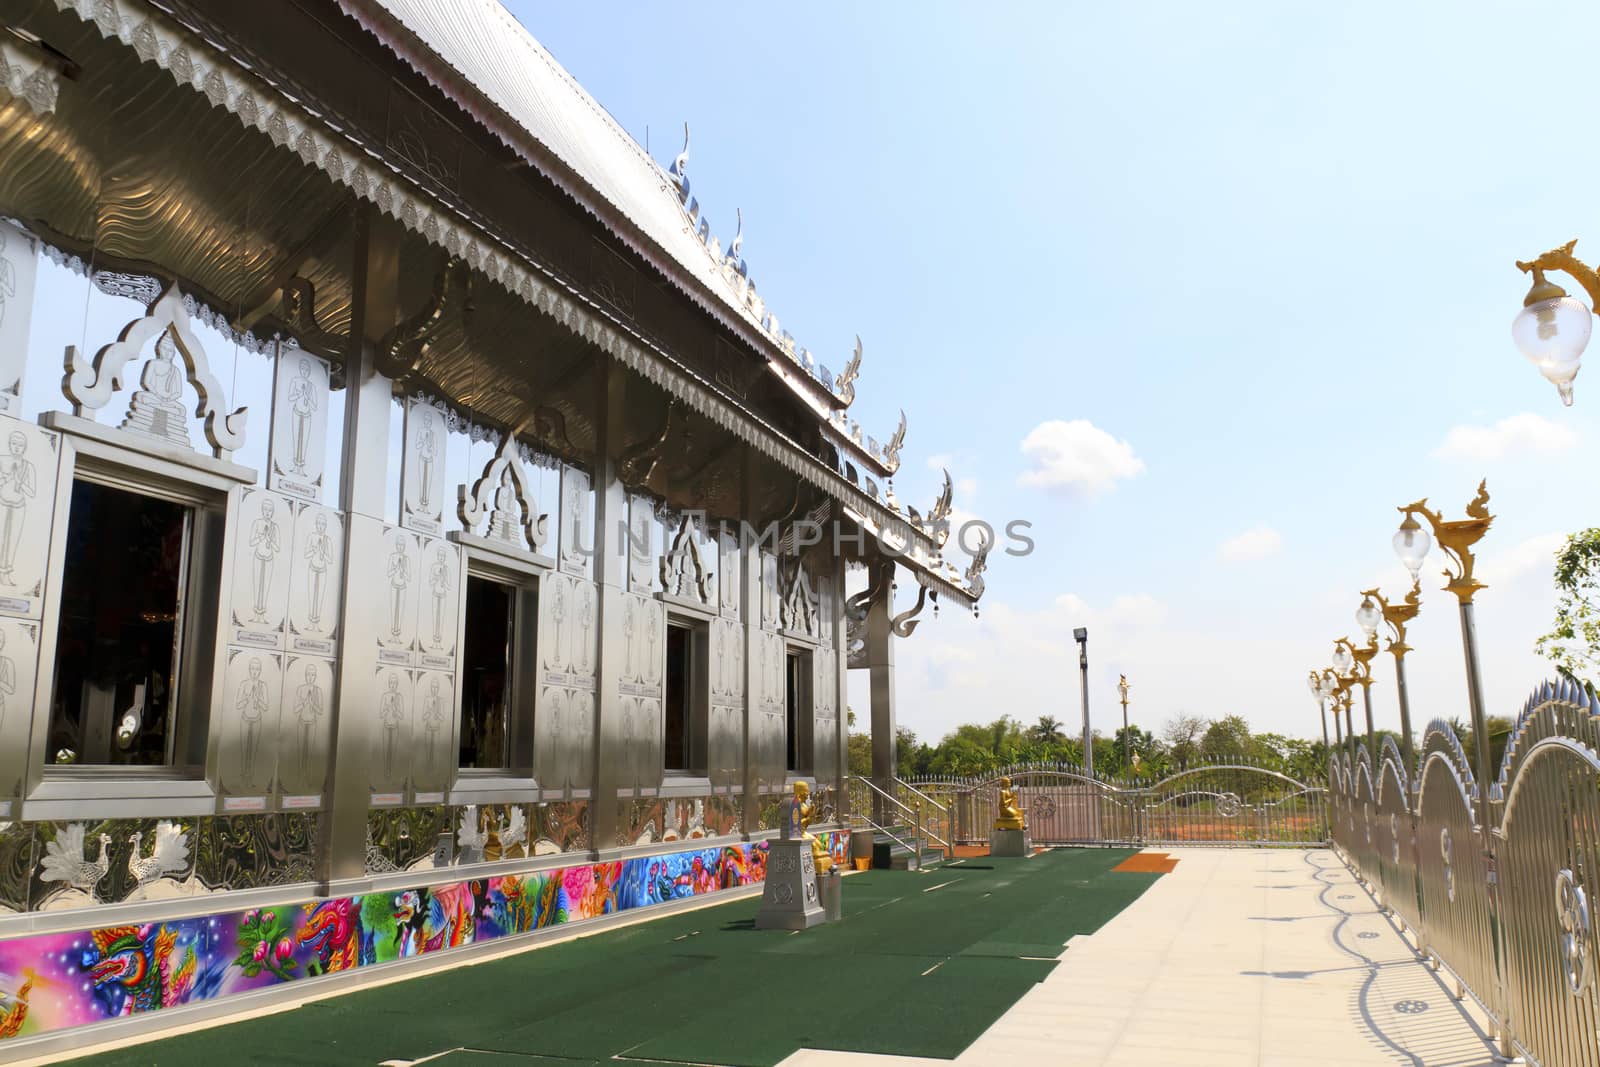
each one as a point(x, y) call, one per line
point(1009, 816)
point(821, 858)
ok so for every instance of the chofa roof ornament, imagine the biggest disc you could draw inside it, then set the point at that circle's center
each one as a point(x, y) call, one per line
point(844, 387)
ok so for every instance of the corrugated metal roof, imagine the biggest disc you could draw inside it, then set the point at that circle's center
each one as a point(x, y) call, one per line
point(488, 47)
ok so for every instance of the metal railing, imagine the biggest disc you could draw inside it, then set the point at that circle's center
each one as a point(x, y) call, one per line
point(885, 808)
point(1232, 803)
point(1495, 882)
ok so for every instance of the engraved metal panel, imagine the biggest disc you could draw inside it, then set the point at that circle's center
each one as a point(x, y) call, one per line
point(650, 820)
point(644, 636)
point(824, 701)
point(19, 659)
point(797, 607)
point(19, 258)
point(30, 462)
point(395, 594)
point(434, 702)
point(391, 754)
point(262, 528)
point(17, 859)
point(728, 569)
point(771, 600)
point(641, 529)
point(316, 565)
point(576, 539)
point(568, 656)
point(252, 689)
point(256, 851)
point(725, 716)
point(84, 863)
point(425, 458)
point(767, 727)
point(299, 442)
point(439, 604)
point(305, 728)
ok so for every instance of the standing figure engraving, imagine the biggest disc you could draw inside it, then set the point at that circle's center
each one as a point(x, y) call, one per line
point(427, 449)
point(319, 556)
point(251, 705)
point(8, 669)
point(399, 579)
point(433, 719)
point(307, 709)
point(439, 582)
point(302, 405)
point(391, 713)
point(157, 407)
point(17, 486)
point(264, 543)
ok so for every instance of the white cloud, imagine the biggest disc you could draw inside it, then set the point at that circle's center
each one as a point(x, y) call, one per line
point(1526, 432)
point(1258, 542)
point(939, 461)
point(1076, 456)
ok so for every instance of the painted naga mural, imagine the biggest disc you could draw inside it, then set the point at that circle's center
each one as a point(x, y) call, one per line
point(55, 981)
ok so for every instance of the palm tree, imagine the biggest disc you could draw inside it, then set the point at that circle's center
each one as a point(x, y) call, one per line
point(1047, 730)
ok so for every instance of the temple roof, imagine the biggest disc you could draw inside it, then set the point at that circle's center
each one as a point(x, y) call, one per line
point(480, 56)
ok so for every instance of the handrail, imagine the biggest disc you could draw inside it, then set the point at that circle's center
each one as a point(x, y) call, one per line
point(907, 785)
point(890, 834)
point(918, 822)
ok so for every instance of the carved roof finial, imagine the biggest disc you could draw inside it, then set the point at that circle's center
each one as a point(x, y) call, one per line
point(844, 387)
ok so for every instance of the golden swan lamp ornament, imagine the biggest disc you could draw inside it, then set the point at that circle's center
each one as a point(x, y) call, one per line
point(1009, 816)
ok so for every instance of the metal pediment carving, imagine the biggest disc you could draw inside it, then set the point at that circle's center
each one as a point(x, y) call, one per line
point(683, 572)
point(502, 500)
point(89, 384)
point(797, 604)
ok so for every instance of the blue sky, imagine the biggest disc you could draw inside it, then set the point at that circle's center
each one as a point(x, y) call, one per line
point(1268, 248)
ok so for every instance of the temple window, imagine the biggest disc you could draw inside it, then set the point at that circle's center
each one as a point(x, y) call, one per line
point(138, 597)
point(684, 717)
point(496, 651)
point(797, 711)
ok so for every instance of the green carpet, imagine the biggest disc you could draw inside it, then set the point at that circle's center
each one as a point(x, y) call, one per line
point(921, 964)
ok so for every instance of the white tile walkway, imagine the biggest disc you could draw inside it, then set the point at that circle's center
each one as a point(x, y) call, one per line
point(1238, 958)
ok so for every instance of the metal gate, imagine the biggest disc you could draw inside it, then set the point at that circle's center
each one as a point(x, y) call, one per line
point(1208, 804)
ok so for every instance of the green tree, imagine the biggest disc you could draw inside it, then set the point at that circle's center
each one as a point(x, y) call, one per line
point(1228, 738)
point(1573, 643)
point(1181, 736)
point(1046, 732)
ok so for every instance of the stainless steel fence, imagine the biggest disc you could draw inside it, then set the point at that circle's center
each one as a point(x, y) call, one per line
point(1495, 882)
point(1205, 804)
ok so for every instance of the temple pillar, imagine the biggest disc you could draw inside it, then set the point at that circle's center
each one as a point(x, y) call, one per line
point(610, 577)
point(363, 482)
point(880, 666)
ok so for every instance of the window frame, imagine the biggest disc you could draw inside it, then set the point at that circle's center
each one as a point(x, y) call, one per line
point(182, 785)
point(802, 653)
point(698, 709)
point(515, 782)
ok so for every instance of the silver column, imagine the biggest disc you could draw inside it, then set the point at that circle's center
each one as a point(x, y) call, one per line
point(749, 562)
point(363, 481)
point(610, 576)
point(880, 662)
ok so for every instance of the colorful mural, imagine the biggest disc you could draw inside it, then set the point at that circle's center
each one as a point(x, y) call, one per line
point(56, 981)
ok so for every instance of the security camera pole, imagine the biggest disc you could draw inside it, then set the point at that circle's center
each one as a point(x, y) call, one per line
point(1082, 636)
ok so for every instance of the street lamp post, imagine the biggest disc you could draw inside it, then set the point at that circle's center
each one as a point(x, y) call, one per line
point(1397, 616)
point(1314, 683)
point(1552, 328)
point(1127, 742)
point(1456, 538)
point(1344, 665)
point(1363, 654)
point(1081, 635)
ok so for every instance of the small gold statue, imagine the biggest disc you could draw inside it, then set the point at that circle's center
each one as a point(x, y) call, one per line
point(1010, 816)
point(820, 856)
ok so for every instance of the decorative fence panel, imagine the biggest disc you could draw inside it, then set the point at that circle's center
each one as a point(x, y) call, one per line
point(1496, 882)
point(1209, 804)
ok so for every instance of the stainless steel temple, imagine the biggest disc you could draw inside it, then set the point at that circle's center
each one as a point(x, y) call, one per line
point(402, 493)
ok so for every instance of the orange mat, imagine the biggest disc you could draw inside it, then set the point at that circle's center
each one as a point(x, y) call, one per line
point(1147, 863)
